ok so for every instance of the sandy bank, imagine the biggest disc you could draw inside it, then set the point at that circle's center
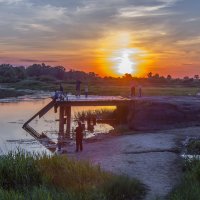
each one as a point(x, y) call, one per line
point(151, 157)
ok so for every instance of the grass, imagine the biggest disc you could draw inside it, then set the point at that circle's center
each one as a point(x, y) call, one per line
point(119, 117)
point(189, 189)
point(193, 147)
point(6, 93)
point(102, 113)
point(106, 89)
point(31, 176)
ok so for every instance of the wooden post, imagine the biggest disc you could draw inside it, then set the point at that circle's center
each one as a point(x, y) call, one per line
point(68, 114)
point(61, 121)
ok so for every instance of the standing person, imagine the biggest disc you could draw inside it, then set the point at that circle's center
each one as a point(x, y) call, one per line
point(86, 91)
point(61, 89)
point(132, 89)
point(140, 90)
point(78, 88)
point(61, 92)
point(79, 137)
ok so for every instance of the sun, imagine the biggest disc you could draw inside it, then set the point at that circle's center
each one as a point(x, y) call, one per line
point(118, 53)
point(123, 61)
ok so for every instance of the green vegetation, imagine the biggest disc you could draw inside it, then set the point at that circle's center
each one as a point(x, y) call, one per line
point(189, 189)
point(193, 147)
point(29, 176)
point(45, 77)
point(5, 93)
point(114, 117)
point(101, 88)
point(102, 114)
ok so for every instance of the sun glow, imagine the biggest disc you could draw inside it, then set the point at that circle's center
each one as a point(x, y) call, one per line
point(119, 53)
point(124, 62)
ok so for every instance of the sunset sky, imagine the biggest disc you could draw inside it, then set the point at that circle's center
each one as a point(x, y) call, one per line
point(109, 37)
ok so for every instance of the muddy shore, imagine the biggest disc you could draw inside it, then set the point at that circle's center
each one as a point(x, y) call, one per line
point(154, 157)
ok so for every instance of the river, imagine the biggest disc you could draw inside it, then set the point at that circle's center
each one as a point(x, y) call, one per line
point(14, 112)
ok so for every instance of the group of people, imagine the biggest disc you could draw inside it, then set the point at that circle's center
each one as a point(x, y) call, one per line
point(61, 95)
point(135, 90)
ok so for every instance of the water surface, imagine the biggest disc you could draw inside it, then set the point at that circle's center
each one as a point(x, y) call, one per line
point(14, 113)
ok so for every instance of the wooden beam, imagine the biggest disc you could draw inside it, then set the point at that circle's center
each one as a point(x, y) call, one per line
point(61, 121)
point(68, 114)
point(95, 103)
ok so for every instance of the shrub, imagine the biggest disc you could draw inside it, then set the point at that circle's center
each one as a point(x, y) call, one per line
point(189, 189)
point(193, 147)
point(123, 188)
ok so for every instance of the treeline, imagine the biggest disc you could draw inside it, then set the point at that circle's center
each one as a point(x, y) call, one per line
point(9, 73)
point(43, 72)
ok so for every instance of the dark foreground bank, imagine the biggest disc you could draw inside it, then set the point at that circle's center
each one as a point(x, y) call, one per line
point(28, 176)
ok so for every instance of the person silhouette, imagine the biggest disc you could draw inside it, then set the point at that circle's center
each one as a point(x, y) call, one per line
point(78, 88)
point(79, 137)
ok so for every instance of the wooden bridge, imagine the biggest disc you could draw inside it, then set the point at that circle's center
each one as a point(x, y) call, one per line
point(64, 107)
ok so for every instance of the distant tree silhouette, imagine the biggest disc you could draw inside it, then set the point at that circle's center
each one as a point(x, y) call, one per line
point(149, 75)
point(186, 78)
point(127, 77)
point(156, 76)
point(47, 73)
point(169, 77)
point(196, 77)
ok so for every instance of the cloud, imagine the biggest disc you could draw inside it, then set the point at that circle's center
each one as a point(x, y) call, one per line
point(49, 12)
point(69, 27)
point(191, 41)
point(10, 1)
point(35, 27)
point(38, 61)
point(148, 10)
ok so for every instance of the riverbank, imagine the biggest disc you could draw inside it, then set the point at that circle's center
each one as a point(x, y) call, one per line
point(7, 93)
point(153, 157)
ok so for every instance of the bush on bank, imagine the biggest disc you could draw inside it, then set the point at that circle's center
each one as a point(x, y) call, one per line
point(189, 188)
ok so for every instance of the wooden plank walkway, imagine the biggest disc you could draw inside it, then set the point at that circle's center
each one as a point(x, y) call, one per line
point(64, 106)
point(94, 101)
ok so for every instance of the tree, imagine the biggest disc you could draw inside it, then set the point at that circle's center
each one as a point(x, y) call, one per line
point(156, 76)
point(169, 77)
point(127, 77)
point(186, 78)
point(7, 72)
point(20, 72)
point(149, 75)
point(196, 77)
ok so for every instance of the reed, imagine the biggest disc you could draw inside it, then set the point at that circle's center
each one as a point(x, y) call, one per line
point(32, 176)
point(101, 114)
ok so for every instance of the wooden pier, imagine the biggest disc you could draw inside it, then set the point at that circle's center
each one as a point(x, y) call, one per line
point(64, 108)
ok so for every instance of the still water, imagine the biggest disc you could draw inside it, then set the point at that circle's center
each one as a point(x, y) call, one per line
point(14, 114)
